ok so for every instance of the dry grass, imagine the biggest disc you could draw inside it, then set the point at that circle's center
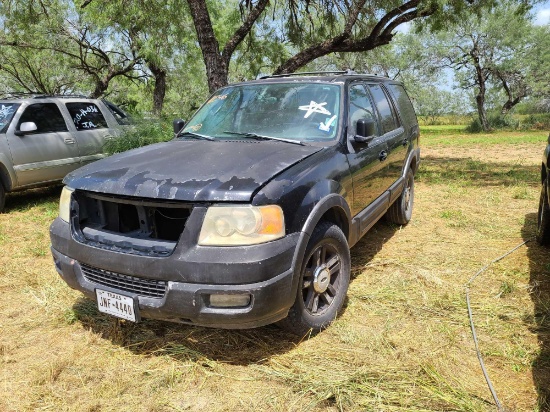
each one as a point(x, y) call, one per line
point(402, 343)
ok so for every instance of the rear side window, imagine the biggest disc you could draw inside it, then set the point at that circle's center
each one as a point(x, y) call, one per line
point(387, 116)
point(119, 114)
point(404, 103)
point(46, 116)
point(7, 110)
point(86, 116)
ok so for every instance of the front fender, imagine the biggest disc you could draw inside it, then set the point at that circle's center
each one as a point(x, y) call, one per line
point(7, 175)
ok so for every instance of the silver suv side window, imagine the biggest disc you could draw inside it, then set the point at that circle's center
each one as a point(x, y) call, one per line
point(86, 116)
point(389, 121)
point(46, 116)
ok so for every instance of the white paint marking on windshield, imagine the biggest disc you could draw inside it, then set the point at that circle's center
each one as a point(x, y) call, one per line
point(314, 107)
point(325, 127)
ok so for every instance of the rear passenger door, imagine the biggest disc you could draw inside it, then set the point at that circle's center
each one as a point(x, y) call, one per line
point(91, 129)
point(393, 133)
point(48, 153)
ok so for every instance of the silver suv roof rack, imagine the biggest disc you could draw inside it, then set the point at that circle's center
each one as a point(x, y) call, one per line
point(318, 73)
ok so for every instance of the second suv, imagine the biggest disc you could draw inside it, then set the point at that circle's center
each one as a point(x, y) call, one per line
point(247, 216)
point(43, 138)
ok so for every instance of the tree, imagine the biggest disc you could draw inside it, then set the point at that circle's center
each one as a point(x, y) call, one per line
point(489, 51)
point(316, 28)
point(54, 27)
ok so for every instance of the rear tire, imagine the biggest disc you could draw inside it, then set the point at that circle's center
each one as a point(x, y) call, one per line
point(324, 281)
point(400, 212)
point(543, 216)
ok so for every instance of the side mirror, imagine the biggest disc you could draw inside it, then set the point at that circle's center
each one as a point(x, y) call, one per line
point(178, 125)
point(366, 130)
point(26, 127)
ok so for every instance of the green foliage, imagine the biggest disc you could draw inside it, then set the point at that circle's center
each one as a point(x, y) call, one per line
point(536, 121)
point(143, 133)
point(498, 121)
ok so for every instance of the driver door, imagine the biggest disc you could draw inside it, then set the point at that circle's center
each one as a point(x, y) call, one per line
point(367, 161)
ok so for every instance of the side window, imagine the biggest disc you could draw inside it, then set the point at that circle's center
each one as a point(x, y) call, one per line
point(387, 115)
point(86, 116)
point(119, 114)
point(360, 107)
point(404, 103)
point(46, 116)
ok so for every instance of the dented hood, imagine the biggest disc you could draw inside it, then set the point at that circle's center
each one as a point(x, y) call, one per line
point(191, 170)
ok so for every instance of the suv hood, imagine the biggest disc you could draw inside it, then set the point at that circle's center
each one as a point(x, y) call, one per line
point(189, 170)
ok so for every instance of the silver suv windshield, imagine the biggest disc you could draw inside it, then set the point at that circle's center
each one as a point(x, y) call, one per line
point(7, 110)
point(291, 111)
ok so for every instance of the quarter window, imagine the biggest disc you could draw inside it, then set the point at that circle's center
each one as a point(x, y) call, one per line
point(46, 116)
point(86, 116)
point(384, 107)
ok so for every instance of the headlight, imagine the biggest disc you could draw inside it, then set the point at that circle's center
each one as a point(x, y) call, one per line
point(241, 225)
point(65, 204)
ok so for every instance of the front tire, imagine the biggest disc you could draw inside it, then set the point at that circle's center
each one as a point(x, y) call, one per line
point(2, 197)
point(543, 216)
point(324, 281)
point(400, 212)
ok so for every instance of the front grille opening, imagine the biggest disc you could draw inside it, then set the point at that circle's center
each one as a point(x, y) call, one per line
point(133, 226)
point(121, 218)
point(143, 287)
point(169, 222)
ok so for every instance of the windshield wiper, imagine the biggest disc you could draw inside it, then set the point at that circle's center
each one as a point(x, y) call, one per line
point(262, 137)
point(195, 136)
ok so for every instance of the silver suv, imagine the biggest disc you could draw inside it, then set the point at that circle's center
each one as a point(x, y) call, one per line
point(42, 138)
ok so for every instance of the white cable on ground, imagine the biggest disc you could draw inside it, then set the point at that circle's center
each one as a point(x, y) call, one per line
point(467, 286)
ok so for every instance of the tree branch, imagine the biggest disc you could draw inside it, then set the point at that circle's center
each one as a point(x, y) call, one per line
point(244, 30)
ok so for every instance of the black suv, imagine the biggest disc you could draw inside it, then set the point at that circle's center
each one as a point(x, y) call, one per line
point(543, 215)
point(247, 216)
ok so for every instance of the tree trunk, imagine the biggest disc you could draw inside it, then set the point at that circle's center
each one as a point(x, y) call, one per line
point(506, 107)
point(482, 114)
point(216, 67)
point(160, 88)
point(101, 86)
point(481, 79)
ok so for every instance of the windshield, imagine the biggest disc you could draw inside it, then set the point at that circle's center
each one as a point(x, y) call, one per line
point(7, 110)
point(292, 111)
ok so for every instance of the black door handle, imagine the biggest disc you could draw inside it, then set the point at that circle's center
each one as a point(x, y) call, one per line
point(383, 155)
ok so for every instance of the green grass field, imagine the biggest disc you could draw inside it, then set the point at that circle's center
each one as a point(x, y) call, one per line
point(402, 343)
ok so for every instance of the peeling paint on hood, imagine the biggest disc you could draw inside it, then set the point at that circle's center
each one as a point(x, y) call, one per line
point(190, 170)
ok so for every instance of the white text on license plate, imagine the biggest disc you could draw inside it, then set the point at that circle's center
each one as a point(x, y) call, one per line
point(114, 304)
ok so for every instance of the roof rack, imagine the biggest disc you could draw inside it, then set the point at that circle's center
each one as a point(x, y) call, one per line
point(60, 96)
point(349, 71)
point(30, 95)
point(342, 72)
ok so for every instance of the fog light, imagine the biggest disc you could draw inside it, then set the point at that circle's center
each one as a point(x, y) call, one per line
point(229, 301)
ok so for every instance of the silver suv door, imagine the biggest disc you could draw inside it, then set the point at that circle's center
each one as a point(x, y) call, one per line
point(46, 154)
point(91, 127)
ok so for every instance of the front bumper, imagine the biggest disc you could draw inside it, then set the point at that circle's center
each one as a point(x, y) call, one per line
point(269, 269)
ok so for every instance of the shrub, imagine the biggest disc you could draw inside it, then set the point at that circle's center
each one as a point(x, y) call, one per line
point(144, 132)
point(538, 121)
point(498, 121)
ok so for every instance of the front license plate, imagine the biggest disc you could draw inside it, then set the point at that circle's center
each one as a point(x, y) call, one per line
point(117, 305)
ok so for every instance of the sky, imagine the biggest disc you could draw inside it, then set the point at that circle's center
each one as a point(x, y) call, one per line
point(542, 13)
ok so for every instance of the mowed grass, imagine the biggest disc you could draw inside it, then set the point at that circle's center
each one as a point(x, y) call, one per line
point(402, 343)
